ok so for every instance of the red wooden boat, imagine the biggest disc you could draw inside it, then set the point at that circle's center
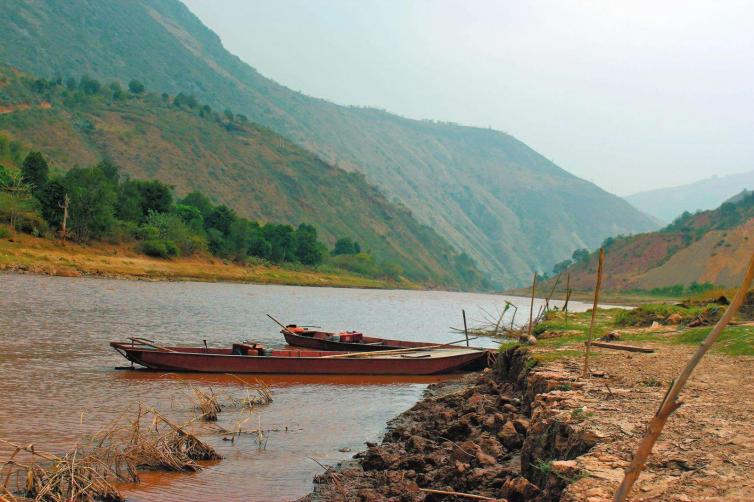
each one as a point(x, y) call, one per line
point(351, 341)
point(252, 358)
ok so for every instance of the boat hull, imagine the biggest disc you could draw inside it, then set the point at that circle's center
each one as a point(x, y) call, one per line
point(299, 362)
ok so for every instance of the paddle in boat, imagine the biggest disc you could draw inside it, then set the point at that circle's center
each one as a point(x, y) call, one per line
point(254, 358)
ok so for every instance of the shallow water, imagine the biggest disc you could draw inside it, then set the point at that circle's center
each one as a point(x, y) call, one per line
point(58, 382)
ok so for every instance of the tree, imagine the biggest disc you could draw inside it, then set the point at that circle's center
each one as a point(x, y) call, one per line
point(345, 245)
point(561, 266)
point(307, 250)
point(19, 199)
point(51, 200)
point(34, 171)
point(155, 196)
point(282, 242)
point(135, 87)
point(199, 201)
point(580, 255)
point(5, 177)
point(221, 218)
point(89, 85)
point(92, 202)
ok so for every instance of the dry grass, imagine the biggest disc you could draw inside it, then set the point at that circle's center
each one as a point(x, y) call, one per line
point(43, 256)
point(89, 471)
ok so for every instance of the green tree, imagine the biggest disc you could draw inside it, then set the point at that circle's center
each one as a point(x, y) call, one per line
point(51, 199)
point(35, 171)
point(199, 201)
point(282, 242)
point(5, 177)
point(345, 245)
point(580, 255)
point(89, 85)
point(92, 202)
point(561, 266)
point(221, 218)
point(135, 87)
point(307, 249)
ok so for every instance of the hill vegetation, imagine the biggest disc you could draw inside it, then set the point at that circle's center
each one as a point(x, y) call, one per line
point(243, 168)
point(695, 253)
point(507, 207)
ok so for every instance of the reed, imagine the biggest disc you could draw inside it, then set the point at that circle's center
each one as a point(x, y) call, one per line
point(90, 470)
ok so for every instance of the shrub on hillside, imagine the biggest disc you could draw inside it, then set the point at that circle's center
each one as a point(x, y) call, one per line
point(159, 248)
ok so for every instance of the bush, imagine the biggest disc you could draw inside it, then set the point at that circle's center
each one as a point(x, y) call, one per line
point(159, 248)
point(4, 233)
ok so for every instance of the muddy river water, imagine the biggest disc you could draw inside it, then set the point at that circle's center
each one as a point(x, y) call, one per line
point(58, 382)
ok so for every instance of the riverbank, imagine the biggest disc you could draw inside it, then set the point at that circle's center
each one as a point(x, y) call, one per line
point(534, 429)
point(25, 253)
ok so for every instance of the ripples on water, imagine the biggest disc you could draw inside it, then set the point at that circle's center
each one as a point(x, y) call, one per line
point(57, 380)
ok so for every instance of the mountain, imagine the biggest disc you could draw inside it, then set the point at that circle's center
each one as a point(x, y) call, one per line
point(252, 169)
point(711, 246)
point(489, 194)
point(669, 203)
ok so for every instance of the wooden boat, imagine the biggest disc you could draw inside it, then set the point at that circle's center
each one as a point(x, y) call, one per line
point(350, 341)
point(252, 358)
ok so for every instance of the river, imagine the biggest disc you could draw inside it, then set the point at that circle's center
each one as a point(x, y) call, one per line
point(58, 382)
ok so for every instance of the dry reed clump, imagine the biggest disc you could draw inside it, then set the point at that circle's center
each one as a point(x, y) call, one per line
point(80, 474)
point(257, 394)
point(210, 404)
point(207, 402)
point(89, 472)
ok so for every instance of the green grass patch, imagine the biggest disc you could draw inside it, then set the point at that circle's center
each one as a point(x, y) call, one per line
point(733, 341)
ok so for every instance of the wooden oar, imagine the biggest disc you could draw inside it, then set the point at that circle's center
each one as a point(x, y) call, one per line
point(280, 324)
point(395, 351)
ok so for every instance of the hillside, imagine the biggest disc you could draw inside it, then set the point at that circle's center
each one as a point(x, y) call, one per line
point(490, 195)
point(707, 247)
point(668, 203)
point(255, 171)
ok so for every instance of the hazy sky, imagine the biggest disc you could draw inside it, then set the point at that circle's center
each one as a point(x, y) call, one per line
point(628, 94)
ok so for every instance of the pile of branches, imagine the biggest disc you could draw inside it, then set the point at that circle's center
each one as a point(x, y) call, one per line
point(89, 471)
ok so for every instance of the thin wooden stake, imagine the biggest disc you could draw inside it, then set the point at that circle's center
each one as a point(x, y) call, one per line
point(531, 306)
point(64, 207)
point(594, 312)
point(465, 329)
point(567, 297)
point(547, 300)
point(670, 402)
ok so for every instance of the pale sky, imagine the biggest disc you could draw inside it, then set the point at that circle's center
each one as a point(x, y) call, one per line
point(631, 95)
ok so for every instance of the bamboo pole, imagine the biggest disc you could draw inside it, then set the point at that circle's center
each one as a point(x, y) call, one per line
point(397, 351)
point(470, 496)
point(531, 306)
point(465, 329)
point(671, 403)
point(552, 290)
point(567, 297)
point(594, 311)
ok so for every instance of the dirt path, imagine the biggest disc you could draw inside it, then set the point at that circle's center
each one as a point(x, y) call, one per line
point(706, 451)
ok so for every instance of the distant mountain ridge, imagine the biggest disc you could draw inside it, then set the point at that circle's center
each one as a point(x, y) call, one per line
point(707, 247)
point(669, 203)
point(490, 195)
point(248, 167)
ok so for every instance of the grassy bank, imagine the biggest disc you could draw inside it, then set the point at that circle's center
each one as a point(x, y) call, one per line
point(35, 255)
point(558, 338)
